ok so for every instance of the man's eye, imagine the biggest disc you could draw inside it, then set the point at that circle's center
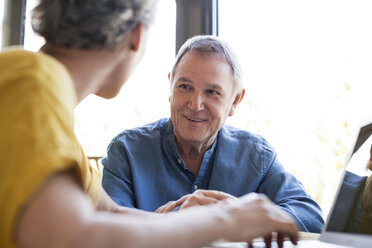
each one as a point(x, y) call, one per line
point(213, 92)
point(183, 86)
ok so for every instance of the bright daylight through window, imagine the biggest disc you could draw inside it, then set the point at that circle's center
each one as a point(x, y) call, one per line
point(308, 76)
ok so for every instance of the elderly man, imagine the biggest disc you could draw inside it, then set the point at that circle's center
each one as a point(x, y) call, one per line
point(173, 158)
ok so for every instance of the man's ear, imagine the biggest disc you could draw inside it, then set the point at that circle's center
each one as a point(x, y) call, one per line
point(136, 37)
point(238, 98)
point(169, 98)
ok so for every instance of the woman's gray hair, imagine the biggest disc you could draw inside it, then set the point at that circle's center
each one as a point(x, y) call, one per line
point(207, 45)
point(90, 24)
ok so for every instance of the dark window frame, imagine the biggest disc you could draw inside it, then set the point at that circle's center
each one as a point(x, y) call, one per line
point(194, 17)
point(13, 28)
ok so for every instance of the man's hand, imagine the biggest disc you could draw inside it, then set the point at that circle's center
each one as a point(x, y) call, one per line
point(198, 198)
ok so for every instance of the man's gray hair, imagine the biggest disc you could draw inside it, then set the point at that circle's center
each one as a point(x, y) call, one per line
point(90, 24)
point(207, 45)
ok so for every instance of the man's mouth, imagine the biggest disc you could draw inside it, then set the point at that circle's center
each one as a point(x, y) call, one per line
point(193, 119)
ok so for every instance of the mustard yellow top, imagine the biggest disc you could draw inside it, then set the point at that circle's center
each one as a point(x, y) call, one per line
point(37, 137)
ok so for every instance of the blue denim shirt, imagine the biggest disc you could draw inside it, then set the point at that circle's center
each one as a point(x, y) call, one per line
point(144, 170)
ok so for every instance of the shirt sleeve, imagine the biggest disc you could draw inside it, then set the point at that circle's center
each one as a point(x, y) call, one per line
point(289, 194)
point(117, 178)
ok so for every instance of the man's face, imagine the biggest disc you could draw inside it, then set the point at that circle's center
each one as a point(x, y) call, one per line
point(202, 97)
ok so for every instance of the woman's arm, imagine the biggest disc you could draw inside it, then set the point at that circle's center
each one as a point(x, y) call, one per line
point(62, 215)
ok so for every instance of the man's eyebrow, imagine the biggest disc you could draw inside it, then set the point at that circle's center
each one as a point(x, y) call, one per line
point(183, 79)
point(215, 86)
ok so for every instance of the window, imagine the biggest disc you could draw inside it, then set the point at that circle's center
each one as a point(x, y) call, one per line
point(307, 69)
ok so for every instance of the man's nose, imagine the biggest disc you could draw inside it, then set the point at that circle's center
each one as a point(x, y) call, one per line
point(196, 102)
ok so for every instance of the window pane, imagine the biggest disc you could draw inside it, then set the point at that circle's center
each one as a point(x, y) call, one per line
point(308, 73)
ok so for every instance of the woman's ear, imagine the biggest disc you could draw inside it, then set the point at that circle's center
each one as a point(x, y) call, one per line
point(238, 98)
point(136, 37)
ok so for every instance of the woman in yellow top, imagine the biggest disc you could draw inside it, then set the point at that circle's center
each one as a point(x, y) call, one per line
point(49, 196)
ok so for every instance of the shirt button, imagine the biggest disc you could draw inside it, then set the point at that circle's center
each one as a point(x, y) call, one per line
point(179, 161)
point(195, 186)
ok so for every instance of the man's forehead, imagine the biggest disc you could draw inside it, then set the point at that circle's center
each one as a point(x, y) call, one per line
point(184, 63)
point(205, 60)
